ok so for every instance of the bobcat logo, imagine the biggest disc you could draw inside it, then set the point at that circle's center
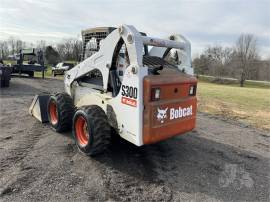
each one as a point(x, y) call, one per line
point(162, 114)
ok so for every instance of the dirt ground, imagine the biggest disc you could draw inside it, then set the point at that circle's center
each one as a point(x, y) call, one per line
point(219, 161)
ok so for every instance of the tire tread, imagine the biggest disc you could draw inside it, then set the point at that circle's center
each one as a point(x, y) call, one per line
point(66, 111)
point(101, 129)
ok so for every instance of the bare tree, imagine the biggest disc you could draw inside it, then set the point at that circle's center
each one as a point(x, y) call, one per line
point(246, 54)
point(4, 51)
point(41, 45)
point(215, 56)
point(19, 44)
point(227, 55)
point(214, 61)
point(60, 49)
point(76, 49)
point(70, 49)
point(12, 45)
point(201, 65)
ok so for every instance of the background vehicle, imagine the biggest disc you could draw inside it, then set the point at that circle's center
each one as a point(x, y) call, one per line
point(144, 95)
point(60, 68)
point(29, 61)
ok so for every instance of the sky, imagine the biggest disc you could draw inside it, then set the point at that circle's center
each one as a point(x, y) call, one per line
point(203, 22)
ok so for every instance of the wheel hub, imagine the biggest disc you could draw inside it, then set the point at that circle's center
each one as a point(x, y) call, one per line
point(53, 113)
point(82, 132)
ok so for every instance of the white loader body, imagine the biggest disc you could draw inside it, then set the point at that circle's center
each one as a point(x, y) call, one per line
point(127, 105)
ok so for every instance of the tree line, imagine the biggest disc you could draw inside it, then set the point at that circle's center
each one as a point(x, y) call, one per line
point(241, 61)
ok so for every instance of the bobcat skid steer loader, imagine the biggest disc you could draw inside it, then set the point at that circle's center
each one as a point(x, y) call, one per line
point(140, 86)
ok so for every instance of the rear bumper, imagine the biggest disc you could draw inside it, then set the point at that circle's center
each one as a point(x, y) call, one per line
point(175, 111)
point(180, 117)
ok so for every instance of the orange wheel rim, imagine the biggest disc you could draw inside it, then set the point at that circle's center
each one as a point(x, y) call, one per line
point(81, 129)
point(53, 112)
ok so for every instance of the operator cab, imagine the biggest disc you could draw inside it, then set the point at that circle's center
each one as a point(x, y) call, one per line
point(122, 62)
point(159, 60)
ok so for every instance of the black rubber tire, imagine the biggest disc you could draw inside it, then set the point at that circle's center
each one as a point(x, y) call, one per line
point(99, 130)
point(6, 83)
point(31, 74)
point(2, 83)
point(53, 73)
point(65, 110)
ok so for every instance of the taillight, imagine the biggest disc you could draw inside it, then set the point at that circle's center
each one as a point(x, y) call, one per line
point(155, 94)
point(192, 90)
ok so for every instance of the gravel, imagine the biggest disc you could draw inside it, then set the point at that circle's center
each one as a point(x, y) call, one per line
point(221, 160)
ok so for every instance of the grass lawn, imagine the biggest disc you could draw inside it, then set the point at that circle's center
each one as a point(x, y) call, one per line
point(48, 74)
point(249, 104)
